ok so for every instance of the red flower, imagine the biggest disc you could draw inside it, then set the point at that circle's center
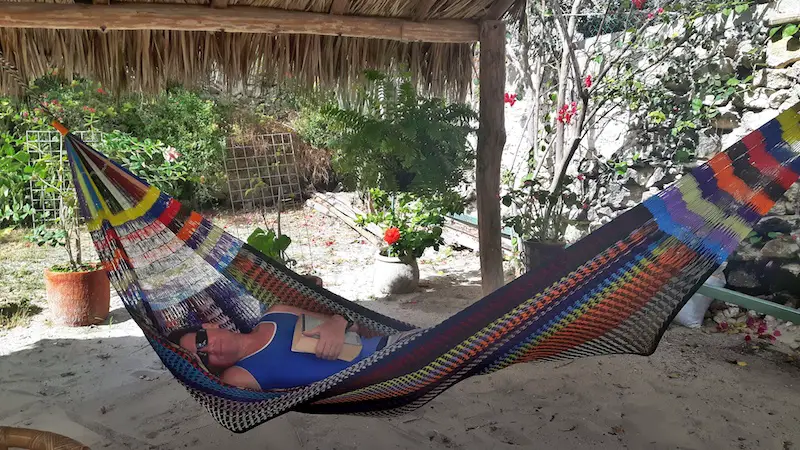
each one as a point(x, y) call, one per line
point(566, 112)
point(391, 235)
point(587, 81)
point(510, 99)
point(747, 338)
point(639, 4)
point(585, 205)
point(580, 177)
point(722, 326)
point(776, 333)
point(101, 91)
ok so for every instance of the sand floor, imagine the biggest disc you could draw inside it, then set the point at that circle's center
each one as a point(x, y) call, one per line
point(104, 386)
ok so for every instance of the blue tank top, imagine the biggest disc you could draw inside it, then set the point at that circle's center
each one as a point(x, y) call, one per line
point(276, 366)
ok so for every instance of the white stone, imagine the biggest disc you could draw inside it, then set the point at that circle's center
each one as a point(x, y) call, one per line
point(774, 78)
point(756, 99)
point(781, 54)
point(658, 175)
point(754, 120)
point(778, 98)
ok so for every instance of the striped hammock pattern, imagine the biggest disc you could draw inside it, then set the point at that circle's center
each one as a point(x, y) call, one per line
point(613, 292)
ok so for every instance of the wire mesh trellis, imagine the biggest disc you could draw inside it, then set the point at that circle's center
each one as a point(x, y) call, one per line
point(45, 200)
point(262, 172)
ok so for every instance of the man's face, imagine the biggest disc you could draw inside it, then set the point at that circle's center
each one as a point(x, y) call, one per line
point(218, 347)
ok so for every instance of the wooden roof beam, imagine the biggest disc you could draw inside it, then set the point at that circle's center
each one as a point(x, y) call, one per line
point(233, 19)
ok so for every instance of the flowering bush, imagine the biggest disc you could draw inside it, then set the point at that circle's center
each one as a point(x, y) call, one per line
point(161, 166)
point(411, 224)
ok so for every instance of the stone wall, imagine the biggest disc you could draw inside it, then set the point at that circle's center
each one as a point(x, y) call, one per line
point(769, 261)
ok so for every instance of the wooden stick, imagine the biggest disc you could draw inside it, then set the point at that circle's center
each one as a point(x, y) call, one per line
point(322, 206)
point(784, 20)
point(233, 19)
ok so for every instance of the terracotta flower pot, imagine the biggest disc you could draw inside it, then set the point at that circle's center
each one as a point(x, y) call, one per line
point(78, 298)
point(395, 275)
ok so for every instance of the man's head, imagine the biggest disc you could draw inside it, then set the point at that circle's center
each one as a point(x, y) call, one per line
point(217, 348)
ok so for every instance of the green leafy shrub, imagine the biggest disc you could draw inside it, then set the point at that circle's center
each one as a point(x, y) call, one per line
point(271, 244)
point(396, 140)
point(15, 177)
point(194, 125)
point(415, 221)
point(162, 166)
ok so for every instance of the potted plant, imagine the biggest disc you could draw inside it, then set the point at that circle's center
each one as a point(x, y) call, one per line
point(411, 225)
point(78, 293)
point(539, 219)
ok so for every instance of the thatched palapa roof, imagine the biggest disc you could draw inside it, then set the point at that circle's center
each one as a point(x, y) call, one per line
point(145, 45)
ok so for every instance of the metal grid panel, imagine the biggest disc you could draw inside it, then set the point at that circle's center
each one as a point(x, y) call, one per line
point(262, 172)
point(50, 144)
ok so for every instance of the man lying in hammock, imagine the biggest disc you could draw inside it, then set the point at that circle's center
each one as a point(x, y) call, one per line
point(263, 359)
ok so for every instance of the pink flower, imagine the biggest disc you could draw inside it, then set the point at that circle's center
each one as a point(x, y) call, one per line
point(639, 4)
point(587, 81)
point(722, 326)
point(660, 11)
point(580, 177)
point(650, 16)
point(776, 333)
point(171, 154)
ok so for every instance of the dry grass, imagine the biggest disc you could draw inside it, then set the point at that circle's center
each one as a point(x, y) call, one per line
point(149, 60)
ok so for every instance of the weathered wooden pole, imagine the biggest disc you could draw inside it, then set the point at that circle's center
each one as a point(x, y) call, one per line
point(491, 139)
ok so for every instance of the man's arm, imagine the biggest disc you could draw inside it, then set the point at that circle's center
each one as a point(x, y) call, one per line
point(299, 311)
point(239, 377)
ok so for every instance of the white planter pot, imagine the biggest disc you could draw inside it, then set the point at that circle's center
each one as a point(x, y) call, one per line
point(395, 275)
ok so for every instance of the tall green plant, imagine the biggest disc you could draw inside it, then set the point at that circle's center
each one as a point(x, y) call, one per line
point(396, 140)
point(194, 125)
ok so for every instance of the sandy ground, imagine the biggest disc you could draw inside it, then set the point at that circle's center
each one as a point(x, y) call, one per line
point(104, 386)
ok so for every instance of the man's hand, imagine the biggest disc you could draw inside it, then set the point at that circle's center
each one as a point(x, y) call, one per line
point(331, 337)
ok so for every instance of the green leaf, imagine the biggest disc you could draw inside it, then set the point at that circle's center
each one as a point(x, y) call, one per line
point(741, 8)
point(774, 234)
point(756, 239)
point(727, 12)
point(732, 82)
point(774, 30)
point(790, 30)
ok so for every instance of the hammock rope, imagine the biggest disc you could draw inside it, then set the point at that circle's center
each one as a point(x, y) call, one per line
point(613, 292)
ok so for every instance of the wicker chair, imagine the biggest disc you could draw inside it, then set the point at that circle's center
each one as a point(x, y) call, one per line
point(36, 440)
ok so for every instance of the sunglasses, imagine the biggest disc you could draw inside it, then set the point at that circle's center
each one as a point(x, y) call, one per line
point(201, 342)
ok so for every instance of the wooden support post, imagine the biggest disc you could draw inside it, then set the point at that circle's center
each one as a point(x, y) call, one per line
point(491, 139)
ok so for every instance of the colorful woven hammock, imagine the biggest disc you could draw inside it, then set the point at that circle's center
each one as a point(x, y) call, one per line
point(613, 292)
